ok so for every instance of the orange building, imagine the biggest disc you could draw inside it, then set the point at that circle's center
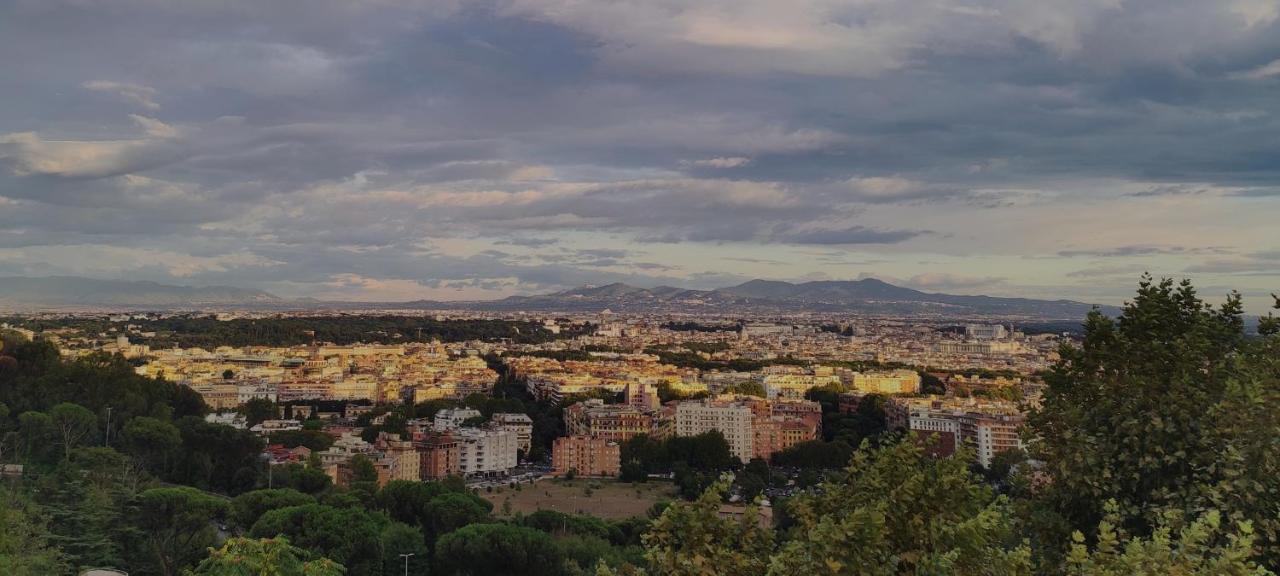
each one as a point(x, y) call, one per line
point(586, 456)
point(438, 455)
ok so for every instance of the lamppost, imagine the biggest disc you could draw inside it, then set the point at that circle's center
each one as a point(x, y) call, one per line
point(406, 562)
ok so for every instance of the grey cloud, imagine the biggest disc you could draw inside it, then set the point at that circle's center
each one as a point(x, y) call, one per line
point(1131, 251)
point(850, 235)
point(346, 138)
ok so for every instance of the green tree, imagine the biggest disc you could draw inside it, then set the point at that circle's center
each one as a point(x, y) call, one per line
point(400, 539)
point(497, 550)
point(1141, 414)
point(448, 512)
point(406, 501)
point(1246, 427)
point(25, 548)
point(152, 441)
point(35, 432)
point(247, 508)
point(349, 536)
point(692, 538)
point(264, 557)
point(1202, 548)
point(73, 424)
point(895, 510)
point(258, 410)
point(362, 469)
point(177, 524)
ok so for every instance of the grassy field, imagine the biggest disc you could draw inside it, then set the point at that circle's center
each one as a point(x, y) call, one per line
point(601, 498)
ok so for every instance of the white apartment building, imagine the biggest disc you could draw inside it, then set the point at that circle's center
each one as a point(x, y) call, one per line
point(451, 418)
point(485, 452)
point(733, 420)
point(520, 424)
point(989, 428)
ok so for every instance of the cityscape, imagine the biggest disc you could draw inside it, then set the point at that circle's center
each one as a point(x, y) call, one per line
point(639, 288)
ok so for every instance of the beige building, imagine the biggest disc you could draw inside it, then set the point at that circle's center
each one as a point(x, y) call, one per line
point(895, 382)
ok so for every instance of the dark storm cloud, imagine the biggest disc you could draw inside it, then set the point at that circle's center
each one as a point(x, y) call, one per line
point(295, 141)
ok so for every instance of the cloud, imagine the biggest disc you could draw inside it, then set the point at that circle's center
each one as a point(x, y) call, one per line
point(849, 235)
point(488, 148)
point(28, 154)
point(720, 162)
point(141, 95)
point(1266, 263)
point(1131, 251)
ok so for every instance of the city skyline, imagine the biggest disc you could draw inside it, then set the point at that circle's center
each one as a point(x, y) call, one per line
point(474, 150)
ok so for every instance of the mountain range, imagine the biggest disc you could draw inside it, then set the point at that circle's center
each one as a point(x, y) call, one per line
point(74, 291)
point(868, 296)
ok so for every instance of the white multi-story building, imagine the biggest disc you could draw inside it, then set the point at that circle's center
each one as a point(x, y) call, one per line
point(484, 452)
point(986, 331)
point(521, 424)
point(732, 419)
point(451, 418)
point(988, 427)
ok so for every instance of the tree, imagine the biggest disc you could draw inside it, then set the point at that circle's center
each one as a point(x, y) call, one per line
point(1246, 428)
point(400, 539)
point(349, 536)
point(498, 550)
point(448, 512)
point(177, 524)
point(1202, 548)
point(25, 549)
point(896, 510)
point(407, 501)
point(264, 557)
point(362, 469)
point(35, 430)
point(247, 508)
point(72, 425)
point(691, 539)
point(1135, 415)
point(893, 511)
point(258, 410)
point(152, 441)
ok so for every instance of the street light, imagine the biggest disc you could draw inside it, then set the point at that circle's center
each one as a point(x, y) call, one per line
point(406, 562)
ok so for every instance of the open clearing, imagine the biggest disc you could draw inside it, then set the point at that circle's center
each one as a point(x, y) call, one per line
point(608, 499)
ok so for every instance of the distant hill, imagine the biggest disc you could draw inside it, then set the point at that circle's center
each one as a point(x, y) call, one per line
point(70, 291)
point(868, 296)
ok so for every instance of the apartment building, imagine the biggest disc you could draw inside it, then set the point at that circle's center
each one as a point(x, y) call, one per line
point(895, 382)
point(484, 452)
point(986, 427)
point(586, 456)
point(520, 424)
point(438, 455)
point(732, 419)
point(617, 422)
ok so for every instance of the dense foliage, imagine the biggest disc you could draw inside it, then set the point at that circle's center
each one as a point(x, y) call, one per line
point(1168, 408)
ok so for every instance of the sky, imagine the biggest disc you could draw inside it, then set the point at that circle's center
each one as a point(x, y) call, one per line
point(392, 150)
